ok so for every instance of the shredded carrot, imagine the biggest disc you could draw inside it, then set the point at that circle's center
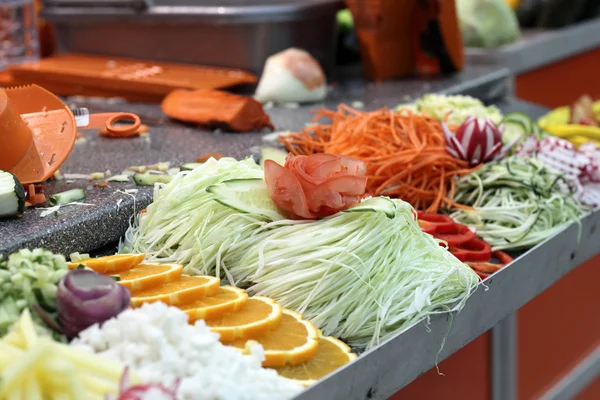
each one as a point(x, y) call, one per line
point(404, 152)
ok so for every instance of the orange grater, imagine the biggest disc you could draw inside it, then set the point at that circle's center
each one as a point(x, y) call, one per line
point(37, 131)
point(112, 75)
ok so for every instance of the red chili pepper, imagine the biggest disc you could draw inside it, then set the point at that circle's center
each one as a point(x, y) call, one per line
point(484, 269)
point(459, 235)
point(475, 250)
point(435, 223)
point(504, 258)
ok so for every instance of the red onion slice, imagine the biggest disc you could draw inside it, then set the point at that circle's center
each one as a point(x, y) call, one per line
point(86, 297)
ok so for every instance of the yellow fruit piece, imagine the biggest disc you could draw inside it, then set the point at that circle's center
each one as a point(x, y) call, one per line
point(187, 289)
point(258, 316)
point(331, 355)
point(148, 276)
point(39, 368)
point(228, 299)
point(110, 264)
point(292, 342)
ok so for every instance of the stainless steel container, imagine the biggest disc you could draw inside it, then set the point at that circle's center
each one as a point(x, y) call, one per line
point(226, 33)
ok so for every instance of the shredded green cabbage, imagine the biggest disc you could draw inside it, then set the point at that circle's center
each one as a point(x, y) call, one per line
point(518, 203)
point(185, 225)
point(458, 108)
point(360, 276)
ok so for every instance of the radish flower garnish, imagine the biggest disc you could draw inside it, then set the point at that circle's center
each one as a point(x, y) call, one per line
point(477, 140)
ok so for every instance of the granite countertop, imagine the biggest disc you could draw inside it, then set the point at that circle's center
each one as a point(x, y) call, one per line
point(85, 228)
point(540, 47)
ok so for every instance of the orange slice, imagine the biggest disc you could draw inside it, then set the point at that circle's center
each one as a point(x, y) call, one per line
point(332, 354)
point(184, 290)
point(110, 264)
point(148, 276)
point(292, 342)
point(258, 316)
point(228, 299)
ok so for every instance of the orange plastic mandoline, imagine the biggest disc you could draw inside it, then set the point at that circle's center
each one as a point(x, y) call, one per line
point(116, 76)
point(37, 131)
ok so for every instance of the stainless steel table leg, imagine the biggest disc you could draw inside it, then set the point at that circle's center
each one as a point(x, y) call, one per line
point(504, 359)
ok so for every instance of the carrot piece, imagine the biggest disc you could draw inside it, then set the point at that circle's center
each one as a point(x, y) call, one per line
point(405, 152)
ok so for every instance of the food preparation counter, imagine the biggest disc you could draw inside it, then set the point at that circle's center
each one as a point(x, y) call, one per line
point(86, 228)
point(379, 373)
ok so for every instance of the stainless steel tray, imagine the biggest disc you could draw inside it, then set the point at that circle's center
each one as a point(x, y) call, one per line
point(227, 33)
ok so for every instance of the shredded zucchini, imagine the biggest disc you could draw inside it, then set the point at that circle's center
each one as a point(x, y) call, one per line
point(517, 203)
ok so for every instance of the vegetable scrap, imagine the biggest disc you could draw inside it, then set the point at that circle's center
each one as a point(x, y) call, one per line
point(85, 298)
point(405, 153)
point(516, 203)
point(160, 166)
point(150, 179)
point(216, 109)
point(34, 367)
point(292, 76)
point(34, 195)
point(66, 197)
point(157, 342)
point(317, 185)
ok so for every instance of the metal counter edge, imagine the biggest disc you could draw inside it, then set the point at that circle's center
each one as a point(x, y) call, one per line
point(384, 370)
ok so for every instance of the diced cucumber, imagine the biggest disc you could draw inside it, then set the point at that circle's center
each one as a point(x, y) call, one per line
point(12, 195)
point(512, 129)
point(66, 197)
point(249, 196)
point(522, 119)
point(272, 153)
point(190, 166)
point(375, 204)
point(147, 179)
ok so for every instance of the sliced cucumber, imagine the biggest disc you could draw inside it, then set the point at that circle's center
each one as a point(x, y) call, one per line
point(12, 196)
point(272, 153)
point(66, 197)
point(147, 179)
point(375, 204)
point(522, 119)
point(512, 129)
point(190, 166)
point(249, 196)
